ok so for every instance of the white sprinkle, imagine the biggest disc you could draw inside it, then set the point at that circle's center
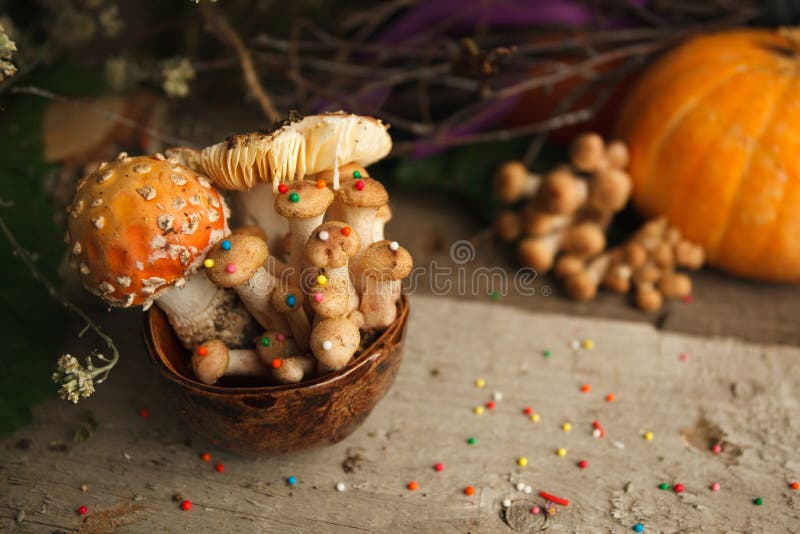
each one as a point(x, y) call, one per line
point(520, 486)
point(528, 490)
point(394, 245)
point(196, 200)
point(148, 192)
point(323, 235)
point(340, 486)
point(507, 503)
point(497, 396)
point(618, 444)
point(213, 216)
point(98, 222)
point(204, 182)
point(327, 345)
point(124, 281)
point(106, 287)
point(575, 344)
point(596, 433)
point(84, 268)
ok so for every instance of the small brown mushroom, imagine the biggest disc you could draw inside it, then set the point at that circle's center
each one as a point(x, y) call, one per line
point(334, 342)
point(281, 355)
point(583, 285)
point(508, 226)
point(329, 248)
point(212, 360)
point(274, 266)
point(588, 152)
point(674, 285)
point(512, 181)
point(386, 264)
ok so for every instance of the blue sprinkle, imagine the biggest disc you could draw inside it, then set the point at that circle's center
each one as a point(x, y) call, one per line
point(226, 245)
point(292, 480)
point(638, 527)
point(291, 300)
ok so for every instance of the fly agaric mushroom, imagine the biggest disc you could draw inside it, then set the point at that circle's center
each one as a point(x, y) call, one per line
point(297, 147)
point(289, 301)
point(281, 355)
point(139, 227)
point(303, 204)
point(237, 262)
point(213, 359)
point(329, 248)
point(186, 156)
point(333, 342)
point(386, 264)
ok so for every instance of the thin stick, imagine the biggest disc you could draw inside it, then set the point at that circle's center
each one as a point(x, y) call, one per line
point(110, 115)
point(226, 33)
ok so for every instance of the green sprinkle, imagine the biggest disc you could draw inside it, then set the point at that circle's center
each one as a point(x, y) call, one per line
point(265, 341)
point(547, 353)
point(471, 441)
point(494, 295)
point(663, 486)
point(356, 174)
point(758, 501)
point(294, 197)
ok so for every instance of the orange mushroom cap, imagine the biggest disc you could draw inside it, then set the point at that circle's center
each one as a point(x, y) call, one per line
point(140, 224)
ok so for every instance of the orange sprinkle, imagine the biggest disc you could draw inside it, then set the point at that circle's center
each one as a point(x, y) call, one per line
point(795, 485)
point(611, 397)
point(346, 231)
point(202, 351)
point(276, 363)
point(469, 490)
point(586, 388)
point(321, 184)
point(413, 486)
point(206, 457)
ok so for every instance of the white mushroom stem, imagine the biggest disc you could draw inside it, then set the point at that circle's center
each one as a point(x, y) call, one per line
point(300, 326)
point(244, 362)
point(193, 311)
point(362, 220)
point(379, 302)
point(257, 206)
point(341, 275)
point(255, 295)
point(301, 230)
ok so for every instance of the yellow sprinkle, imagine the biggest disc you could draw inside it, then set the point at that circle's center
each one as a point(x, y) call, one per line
point(522, 461)
point(322, 280)
point(535, 417)
point(561, 452)
point(208, 263)
point(588, 344)
point(478, 410)
point(480, 383)
point(648, 436)
point(566, 427)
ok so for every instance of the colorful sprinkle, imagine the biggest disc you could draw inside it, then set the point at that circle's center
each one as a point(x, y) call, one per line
point(144, 412)
point(553, 498)
point(715, 486)
point(318, 297)
point(471, 441)
point(283, 189)
point(638, 527)
point(83, 510)
point(561, 452)
point(586, 388)
point(206, 457)
point(294, 197)
point(469, 490)
point(599, 431)
point(648, 436)
point(478, 410)
point(684, 356)
point(497, 395)
point(480, 383)
point(265, 342)
point(758, 501)
point(208, 263)
point(291, 300)
point(611, 397)
point(202, 351)
point(220, 468)
point(566, 427)
point(678, 488)
point(321, 184)
point(663, 486)
point(522, 461)
point(535, 417)
point(536, 510)
point(795, 485)
point(323, 235)
point(186, 506)
point(717, 448)
point(528, 410)
point(225, 245)
point(341, 486)
point(413, 486)
point(231, 268)
point(292, 480)
point(491, 405)
point(439, 467)
point(281, 337)
point(583, 464)
point(547, 353)
point(346, 231)
point(356, 174)
point(507, 503)
point(322, 280)
point(359, 185)
point(394, 245)
point(587, 344)
point(277, 363)
point(327, 345)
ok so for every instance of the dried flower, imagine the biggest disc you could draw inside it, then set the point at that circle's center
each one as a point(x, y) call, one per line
point(7, 49)
point(77, 381)
point(110, 21)
point(176, 73)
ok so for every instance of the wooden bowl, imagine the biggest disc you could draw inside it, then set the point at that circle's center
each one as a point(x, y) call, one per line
point(268, 420)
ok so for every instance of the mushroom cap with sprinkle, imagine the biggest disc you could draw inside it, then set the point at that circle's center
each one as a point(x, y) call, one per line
point(140, 224)
point(271, 345)
point(235, 259)
point(210, 361)
point(334, 341)
point(386, 260)
point(286, 299)
point(363, 193)
point(303, 200)
point(346, 172)
point(330, 300)
point(298, 147)
point(331, 244)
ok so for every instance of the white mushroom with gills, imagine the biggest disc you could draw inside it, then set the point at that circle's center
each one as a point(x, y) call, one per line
point(139, 227)
point(386, 264)
point(288, 300)
point(281, 355)
point(334, 342)
point(213, 359)
point(299, 147)
point(237, 262)
point(329, 248)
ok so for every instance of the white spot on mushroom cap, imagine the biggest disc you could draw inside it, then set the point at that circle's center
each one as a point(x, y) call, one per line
point(140, 265)
point(165, 221)
point(213, 202)
point(142, 168)
point(203, 181)
point(179, 203)
point(124, 281)
point(106, 287)
point(148, 192)
point(178, 179)
point(80, 184)
point(104, 177)
point(84, 269)
point(128, 301)
point(159, 156)
point(122, 155)
point(77, 209)
point(98, 221)
point(196, 200)
point(76, 248)
point(180, 282)
point(190, 225)
point(96, 203)
point(213, 216)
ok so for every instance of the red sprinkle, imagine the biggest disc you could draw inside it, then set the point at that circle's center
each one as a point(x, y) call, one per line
point(282, 189)
point(795, 485)
point(206, 457)
point(583, 464)
point(440, 467)
point(83, 510)
point(490, 405)
point(528, 410)
point(144, 412)
point(596, 425)
point(687, 299)
point(359, 185)
point(276, 363)
point(186, 506)
point(202, 351)
point(553, 498)
point(346, 231)
point(678, 488)
point(220, 468)
point(684, 356)
point(469, 490)
point(412, 486)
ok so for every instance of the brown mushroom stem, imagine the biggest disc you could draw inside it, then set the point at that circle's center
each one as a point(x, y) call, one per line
point(212, 360)
point(583, 285)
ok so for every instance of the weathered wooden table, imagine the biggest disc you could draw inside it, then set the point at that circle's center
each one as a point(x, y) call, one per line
point(744, 395)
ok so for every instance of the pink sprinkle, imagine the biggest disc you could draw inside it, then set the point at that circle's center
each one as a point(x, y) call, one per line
point(318, 297)
point(231, 268)
point(715, 486)
point(684, 356)
point(360, 185)
point(280, 337)
point(536, 510)
point(717, 448)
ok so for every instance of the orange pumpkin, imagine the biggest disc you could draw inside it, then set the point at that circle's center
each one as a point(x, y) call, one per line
point(713, 129)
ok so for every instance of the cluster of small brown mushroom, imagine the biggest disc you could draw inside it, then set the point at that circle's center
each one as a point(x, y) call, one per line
point(559, 221)
point(152, 229)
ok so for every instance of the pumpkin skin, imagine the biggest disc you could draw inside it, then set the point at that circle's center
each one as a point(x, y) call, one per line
point(713, 129)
